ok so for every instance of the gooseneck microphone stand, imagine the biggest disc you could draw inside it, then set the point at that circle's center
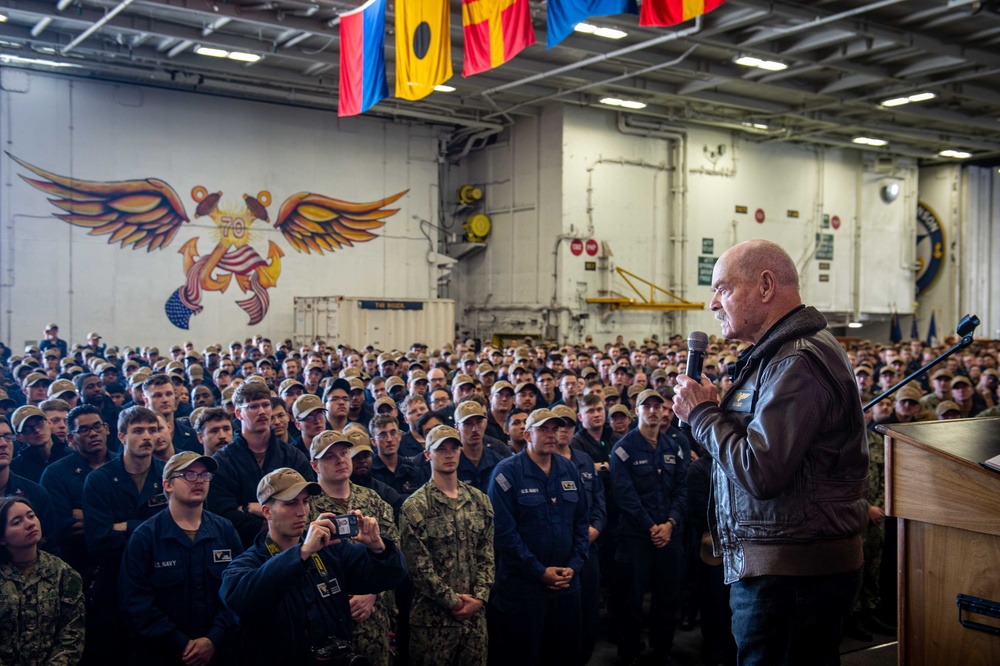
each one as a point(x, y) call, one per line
point(965, 329)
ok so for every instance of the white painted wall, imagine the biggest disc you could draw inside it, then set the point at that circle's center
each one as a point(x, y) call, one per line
point(52, 271)
point(967, 203)
point(648, 197)
point(652, 199)
point(939, 191)
point(981, 229)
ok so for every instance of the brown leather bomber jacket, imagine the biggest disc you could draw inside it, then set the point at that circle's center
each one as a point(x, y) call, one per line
point(790, 477)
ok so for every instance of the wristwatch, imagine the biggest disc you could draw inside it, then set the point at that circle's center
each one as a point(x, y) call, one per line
point(672, 522)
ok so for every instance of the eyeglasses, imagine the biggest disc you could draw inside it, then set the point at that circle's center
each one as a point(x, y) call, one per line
point(83, 431)
point(34, 427)
point(337, 398)
point(193, 476)
point(257, 406)
point(7, 437)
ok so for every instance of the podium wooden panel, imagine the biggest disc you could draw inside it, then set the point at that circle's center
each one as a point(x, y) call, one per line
point(948, 508)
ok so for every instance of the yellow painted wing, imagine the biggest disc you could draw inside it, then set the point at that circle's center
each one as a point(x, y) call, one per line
point(141, 213)
point(315, 222)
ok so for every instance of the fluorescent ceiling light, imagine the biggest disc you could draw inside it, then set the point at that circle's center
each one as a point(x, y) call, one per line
point(444, 88)
point(917, 97)
point(897, 101)
point(624, 103)
point(759, 126)
point(214, 53)
point(957, 154)
point(244, 57)
point(610, 33)
point(769, 65)
point(18, 60)
point(607, 33)
point(3, 18)
point(867, 141)
point(854, 324)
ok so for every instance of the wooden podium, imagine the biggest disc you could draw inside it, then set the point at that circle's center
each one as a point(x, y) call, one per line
point(948, 508)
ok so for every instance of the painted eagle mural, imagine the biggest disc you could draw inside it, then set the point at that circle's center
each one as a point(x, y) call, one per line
point(147, 213)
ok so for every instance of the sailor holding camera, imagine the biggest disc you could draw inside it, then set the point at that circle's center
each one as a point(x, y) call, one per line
point(292, 593)
point(330, 452)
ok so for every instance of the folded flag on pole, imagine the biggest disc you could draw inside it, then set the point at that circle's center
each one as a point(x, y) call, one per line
point(564, 14)
point(495, 31)
point(672, 12)
point(895, 334)
point(914, 333)
point(932, 331)
point(423, 46)
point(362, 58)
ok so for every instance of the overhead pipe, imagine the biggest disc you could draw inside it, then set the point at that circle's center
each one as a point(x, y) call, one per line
point(598, 58)
point(40, 27)
point(587, 86)
point(783, 32)
point(97, 26)
point(180, 48)
point(215, 25)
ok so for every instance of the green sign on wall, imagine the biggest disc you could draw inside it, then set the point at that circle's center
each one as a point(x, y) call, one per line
point(705, 266)
point(824, 247)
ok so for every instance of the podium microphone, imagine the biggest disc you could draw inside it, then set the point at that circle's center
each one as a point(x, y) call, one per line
point(697, 344)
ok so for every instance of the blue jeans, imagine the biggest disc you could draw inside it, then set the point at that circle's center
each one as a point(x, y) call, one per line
point(792, 619)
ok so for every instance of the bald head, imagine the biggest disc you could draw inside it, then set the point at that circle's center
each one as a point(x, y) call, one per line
point(753, 257)
point(755, 285)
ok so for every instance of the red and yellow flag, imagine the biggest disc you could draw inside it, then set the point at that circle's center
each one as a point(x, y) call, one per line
point(672, 12)
point(495, 31)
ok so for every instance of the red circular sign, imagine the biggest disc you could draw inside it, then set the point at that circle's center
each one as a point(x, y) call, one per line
point(835, 222)
point(592, 247)
point(576, 247)
point(759, 216)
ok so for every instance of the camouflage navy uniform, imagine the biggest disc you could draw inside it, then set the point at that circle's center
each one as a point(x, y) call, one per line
point(873, 538)
point(41, 614)
point(448, 545)
point(371, 637)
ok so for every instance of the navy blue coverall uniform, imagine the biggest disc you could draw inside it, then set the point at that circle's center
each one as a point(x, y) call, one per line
point(478, 476)
point(590, 575)
point(540, 521)
point(169, 588)
point(651, 487)
point(235, 484)
point(109, 497)
point(64, 481)
point(286, 605)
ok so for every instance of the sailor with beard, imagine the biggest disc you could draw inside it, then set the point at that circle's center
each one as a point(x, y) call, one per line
point(172, 572)
point(254, 452)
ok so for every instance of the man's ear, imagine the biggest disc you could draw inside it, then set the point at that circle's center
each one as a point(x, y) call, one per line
point(768, 286)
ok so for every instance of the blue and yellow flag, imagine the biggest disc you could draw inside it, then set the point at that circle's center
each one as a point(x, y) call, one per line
point(423, 46)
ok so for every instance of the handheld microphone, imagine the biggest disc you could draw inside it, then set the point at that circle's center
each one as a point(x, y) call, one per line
point(697, 344)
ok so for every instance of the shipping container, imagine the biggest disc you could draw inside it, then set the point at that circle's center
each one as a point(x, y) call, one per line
point(380, 322)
